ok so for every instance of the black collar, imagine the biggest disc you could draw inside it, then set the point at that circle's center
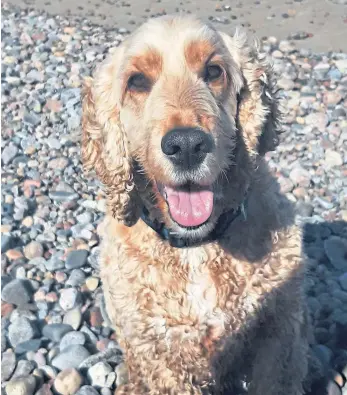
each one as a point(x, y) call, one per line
point(222, 225)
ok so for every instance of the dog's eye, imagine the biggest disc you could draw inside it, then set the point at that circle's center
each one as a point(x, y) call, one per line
point(139, 83)
point(213, 72)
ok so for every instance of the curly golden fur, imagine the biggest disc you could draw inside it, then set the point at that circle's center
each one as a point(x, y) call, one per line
point(204, 319)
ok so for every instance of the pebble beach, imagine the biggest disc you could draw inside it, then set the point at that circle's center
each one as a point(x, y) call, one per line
point(56, 337)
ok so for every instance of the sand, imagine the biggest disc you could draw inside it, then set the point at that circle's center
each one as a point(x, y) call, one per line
point(323, 22)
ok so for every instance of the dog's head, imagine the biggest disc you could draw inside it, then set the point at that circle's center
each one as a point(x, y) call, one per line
point(181, 111)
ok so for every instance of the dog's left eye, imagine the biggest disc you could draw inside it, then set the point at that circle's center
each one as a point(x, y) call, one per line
point(139, 83)
point(213, 72)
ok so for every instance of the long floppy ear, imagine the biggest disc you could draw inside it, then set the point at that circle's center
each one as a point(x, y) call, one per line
point(104, 142)
point(259, 111)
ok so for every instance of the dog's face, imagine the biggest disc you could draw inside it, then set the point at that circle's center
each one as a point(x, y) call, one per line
point(180, 92)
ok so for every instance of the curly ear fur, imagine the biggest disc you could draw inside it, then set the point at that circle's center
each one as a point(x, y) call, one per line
point(259, 112)
point(105, 146)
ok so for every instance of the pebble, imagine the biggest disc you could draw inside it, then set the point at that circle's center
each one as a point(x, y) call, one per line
point(87, 390)
point(24, 368)
point(44, 390)
point(58, 163)
point(76, 259)
point(20, 330)
point(21, 386)
point(18, 292)
point(96, 319)
point(341, 65)
point(76, 278)
point(333, 158)
point(8, 364)
point(56, 332)
point(336, 250)
point(49, 371)
point(68, 298)
point(111, 355)
point(343, 281)
point(72, 338)
point(29, 345)
point(9, 153)
point(33, 250)
point(68, 382)
point(71, 357)
point(98, 374)
point(300, 176)
point(6, 243)
point(285, 83)
point(14, 255)
point(121, 374)
point(92, 283)
point(73, 318)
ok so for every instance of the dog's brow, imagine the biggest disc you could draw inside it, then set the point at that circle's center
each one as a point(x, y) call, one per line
point(197, 52)
point(211, 56)
point(149, 62)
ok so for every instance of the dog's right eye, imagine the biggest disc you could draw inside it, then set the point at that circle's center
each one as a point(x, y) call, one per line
point(139, 83)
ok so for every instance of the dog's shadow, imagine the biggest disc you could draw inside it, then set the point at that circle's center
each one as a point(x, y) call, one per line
point(325, 250)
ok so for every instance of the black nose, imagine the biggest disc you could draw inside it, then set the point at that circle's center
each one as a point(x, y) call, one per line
point(186, 147)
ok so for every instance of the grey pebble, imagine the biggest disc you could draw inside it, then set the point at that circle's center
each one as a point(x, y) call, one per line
point(54, 264)
point(76, 278)
point(87, 390)
point(56, 332)
point(72, 357)
point(18, 292)
point(31, 119)
point(72, 338)
point(110, 355)
point(68, 298)
point(9, 153)
point(29, 345)
point(62, 196)
point(343, 281)
point(24, 368)
point(6, 242)
point(20, 331)
point(8, 364)
point(76, 259)
point(336, 250)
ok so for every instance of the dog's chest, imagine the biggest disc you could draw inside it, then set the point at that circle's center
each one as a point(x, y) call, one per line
point(201, 294)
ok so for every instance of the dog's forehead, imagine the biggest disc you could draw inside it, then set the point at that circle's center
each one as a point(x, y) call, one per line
point(174, 39)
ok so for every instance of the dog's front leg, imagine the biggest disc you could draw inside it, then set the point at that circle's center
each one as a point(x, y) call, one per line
point(164, 365)
point(281, 361)
point(150, 375)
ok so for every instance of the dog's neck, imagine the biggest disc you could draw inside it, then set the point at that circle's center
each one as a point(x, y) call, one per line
point(223, 223)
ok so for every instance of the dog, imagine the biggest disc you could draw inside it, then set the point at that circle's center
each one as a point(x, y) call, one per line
point(200, 258)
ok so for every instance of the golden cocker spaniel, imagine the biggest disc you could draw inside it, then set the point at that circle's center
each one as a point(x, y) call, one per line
point(200, 263)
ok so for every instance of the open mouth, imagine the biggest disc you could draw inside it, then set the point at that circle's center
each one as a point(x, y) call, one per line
point(190, 205)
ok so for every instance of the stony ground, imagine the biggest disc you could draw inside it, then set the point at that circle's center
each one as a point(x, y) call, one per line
point(55, 334)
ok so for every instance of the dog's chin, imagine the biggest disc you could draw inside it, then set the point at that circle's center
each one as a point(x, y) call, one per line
point(196, 233)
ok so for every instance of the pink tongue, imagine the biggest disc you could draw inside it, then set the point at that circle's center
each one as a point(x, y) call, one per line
point(189, 208)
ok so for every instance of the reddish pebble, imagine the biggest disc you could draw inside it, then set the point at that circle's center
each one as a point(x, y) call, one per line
point(53, 105)
point(51, 297)
point(102, 344)
point(13, 255)
point(60, 277)
point(96, 317)
point(6, 309)
point(39, 296)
